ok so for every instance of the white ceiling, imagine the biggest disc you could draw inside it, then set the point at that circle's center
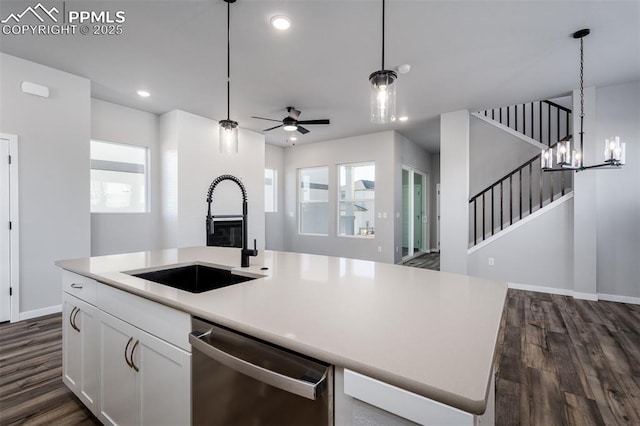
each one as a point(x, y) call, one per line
point(463, 55)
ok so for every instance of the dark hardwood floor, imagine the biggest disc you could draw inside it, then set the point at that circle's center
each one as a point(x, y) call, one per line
point(31, 388)
point(425, 261)
point(559, 361)
point(562, 361)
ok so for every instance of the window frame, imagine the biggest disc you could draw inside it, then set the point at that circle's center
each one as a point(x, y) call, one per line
point(352, 200)
point(274, 185)
point(147, 175)
point(299, 200)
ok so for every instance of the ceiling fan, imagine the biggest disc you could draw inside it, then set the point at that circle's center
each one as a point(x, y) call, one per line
point(291, 123)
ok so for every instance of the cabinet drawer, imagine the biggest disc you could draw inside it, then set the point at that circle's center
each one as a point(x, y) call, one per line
point(81, 287)
point(166, 323)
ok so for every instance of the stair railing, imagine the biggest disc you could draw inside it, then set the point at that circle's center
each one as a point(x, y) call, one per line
point(539, 191)
point(544, 121)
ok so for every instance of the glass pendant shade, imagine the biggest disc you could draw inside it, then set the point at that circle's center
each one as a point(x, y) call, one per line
point(228, 136)
point(614, 151)
point(383, 96)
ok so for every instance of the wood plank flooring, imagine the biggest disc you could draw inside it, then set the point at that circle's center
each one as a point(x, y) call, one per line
point(31, 388)
point(425, 261)
point(562, 361)
point(559, 361)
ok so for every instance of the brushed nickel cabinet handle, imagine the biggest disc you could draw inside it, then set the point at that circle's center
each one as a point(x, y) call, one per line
point(133, 365)
point(73, 319)
point(125, 352)
point(76, 285)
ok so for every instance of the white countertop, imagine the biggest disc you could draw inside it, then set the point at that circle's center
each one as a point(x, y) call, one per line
point(432, 333)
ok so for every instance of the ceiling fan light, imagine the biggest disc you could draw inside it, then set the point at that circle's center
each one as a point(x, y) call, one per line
point(383, 96)
point(290, 127)
point(228, 136)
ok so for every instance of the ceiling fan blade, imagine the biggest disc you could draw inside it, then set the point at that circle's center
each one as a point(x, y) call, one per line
point(271, 128)
point(325, 121)
point(268, 119)
point(293, 113)
point(302, 130)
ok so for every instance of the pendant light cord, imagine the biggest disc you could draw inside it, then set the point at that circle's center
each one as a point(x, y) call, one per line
point(383, 34)
point(581, 101)
point(228, 56)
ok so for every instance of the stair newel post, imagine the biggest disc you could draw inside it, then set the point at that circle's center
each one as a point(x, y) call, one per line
point(475, 221)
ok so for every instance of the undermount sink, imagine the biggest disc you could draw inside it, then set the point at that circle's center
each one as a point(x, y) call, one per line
point(193, 278)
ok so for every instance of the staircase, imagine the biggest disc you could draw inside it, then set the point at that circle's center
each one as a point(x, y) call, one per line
point(527, 188)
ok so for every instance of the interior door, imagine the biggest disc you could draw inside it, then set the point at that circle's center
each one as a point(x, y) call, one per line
point(5, 242)
point(418, 212)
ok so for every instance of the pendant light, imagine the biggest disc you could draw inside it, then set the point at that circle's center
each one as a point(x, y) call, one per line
point(573, 159)
point(383, 91)
point(228, 129)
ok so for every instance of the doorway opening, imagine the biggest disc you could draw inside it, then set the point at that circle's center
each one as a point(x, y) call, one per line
point(415, 222)
point(9, 228)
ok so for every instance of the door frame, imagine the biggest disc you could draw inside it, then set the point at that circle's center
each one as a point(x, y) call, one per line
point(14, 233)
point(425, 212)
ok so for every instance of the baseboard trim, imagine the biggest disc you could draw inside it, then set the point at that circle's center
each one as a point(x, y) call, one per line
point(619, 299)
point(585, 296)
point(541, 289)
point(40, 312)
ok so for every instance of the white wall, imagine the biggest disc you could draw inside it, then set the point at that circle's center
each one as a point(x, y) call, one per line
point(53, 145)
point(274, 221)
point(618, 204)
point(189, 147)
point(127, 232)
point(493, 153)
point(454, 191)
point(378, 147)
point(538, 252)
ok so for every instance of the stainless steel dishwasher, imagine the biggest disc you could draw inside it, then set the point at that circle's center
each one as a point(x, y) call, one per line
point(239, 380)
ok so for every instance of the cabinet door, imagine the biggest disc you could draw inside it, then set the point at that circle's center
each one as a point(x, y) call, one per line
point(164, 380)
point(70, 344)
point(118, 389)
point(87, 321)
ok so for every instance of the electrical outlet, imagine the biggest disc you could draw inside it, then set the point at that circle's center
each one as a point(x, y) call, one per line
point(384, 215)
point(397, 249)
point(491, 261)
point(379, 249)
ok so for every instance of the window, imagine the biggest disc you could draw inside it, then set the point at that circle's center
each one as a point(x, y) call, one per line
point(118, 178)
point(314, 200)
point(270, 190)
point(357, 199)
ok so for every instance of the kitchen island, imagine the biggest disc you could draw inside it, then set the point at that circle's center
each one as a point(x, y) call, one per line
point(430, 333)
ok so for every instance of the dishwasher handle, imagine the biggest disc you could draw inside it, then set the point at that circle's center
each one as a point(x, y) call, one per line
point(289, 384)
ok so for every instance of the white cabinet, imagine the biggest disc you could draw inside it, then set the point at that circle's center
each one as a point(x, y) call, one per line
point(126, 357)
point(144, 380)
point(80, 362)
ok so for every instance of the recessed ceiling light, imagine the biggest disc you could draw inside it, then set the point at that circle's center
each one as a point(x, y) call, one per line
point(403, 118)
point(293, 138)
point(144, 93)
point(281, 22)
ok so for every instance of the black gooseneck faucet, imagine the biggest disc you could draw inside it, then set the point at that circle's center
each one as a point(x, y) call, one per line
point(245, 252)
